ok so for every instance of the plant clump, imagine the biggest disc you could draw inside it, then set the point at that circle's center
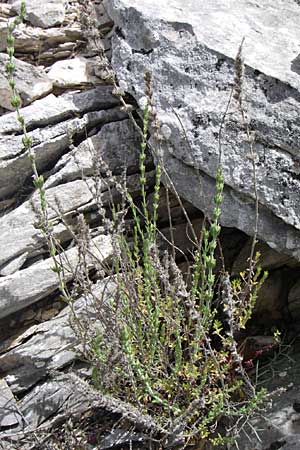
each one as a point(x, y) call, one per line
point(167, 351)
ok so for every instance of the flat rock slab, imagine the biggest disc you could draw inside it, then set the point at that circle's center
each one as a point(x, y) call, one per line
point(32, 82)
point(29, 285)
point(44, 14)
point(19, 234)
point(21, 241)
point(54, 122)
point(74, 72)
point(190, 51)
point(116, 144)
point(53, 109)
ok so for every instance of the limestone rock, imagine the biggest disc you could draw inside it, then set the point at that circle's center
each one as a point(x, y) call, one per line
point(183, 237)
point(103, 20)
point(19, 235)
point(29, 356)
point(15, 264)
point(63, 128)
point(192, 63)
point(32, 82)
point(58, 397)
point(78, 71)
point(6, 10)
point(190, 51)
point(53, 109)
point(51, 395)
point(29, 285)
point(119, 437)
point(21, 241)
point(117, 144)
point(176, 209)
point(44, 45)
point(9, 412)
point(53, 130)
point(43, 14)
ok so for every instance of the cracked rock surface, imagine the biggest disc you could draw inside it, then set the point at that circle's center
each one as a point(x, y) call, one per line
point(74, 120)
point(190, 52)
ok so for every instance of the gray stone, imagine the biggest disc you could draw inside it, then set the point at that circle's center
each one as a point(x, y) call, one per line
point(20, 237)
point(102, 18)
point(44, 401)
point(78, 71)
point(176, 209)
point(44, 45)
point(53, 132)
point(49, 399)
point(21, 241)
point(278, 235)
point(183, 237)
point(13, 265)
point(6, 10)
point(117, 143)
point(9, 412)
point(29, 285)
point(42, 14)
point(192, 62)
point(32, 82)
point(54, 109)
point(56, 137)
point(119, 437)
point(30, 356)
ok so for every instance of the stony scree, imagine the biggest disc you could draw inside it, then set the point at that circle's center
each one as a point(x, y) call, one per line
point(40, 45)
point(42, 14)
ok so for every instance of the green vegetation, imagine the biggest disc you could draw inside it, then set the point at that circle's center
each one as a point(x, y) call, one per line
point(168, 353)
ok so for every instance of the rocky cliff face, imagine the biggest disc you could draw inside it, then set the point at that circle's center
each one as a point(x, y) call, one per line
point(190, 51)
point(72, 116)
